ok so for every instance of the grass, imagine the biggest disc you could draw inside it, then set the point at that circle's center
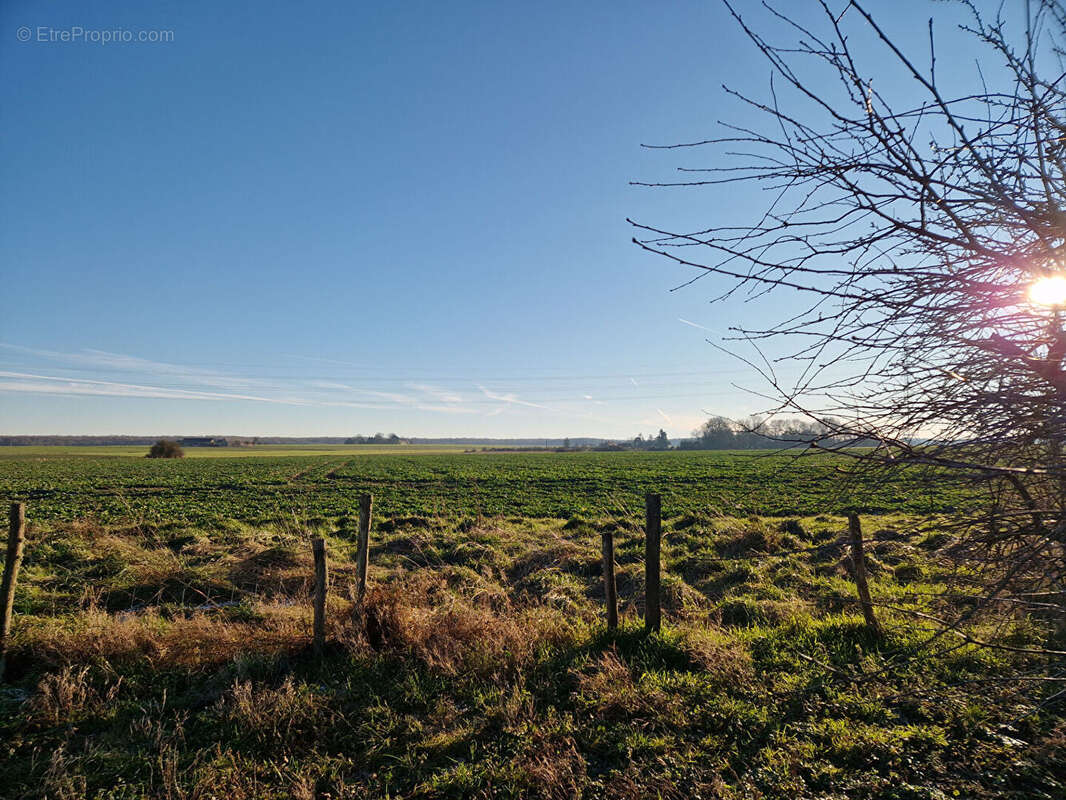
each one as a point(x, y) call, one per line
point(174, 662)
point(157, 656)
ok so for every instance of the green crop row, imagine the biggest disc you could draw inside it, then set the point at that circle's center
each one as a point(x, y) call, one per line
point(547, 485)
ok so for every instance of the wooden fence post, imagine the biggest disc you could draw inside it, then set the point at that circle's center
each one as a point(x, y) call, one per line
point(318, 547)
point(366, 504)
point(610, 587)
point(858, 560)
point(16, 538)
point(652, 538)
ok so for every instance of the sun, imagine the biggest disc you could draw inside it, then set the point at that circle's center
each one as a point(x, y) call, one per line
point(1050, 291)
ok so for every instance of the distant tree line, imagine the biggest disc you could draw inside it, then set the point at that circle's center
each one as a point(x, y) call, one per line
point(377, 438)
point(654, 441)
point(658, 441)
point(72, 441)
point(757, 433)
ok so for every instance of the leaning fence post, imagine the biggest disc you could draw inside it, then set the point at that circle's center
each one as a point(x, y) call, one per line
point(858, 560)
point(653, 533)
point(366, 504)
point(16, 538)
point(318, 547)
point(610, 587)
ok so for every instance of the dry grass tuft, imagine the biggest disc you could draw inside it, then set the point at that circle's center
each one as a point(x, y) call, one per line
point(632, 784)
point(717, 652)
point(561, 554)
point(68, 695)
point(276, 717)
point(200, 640)
point(609, 686)
point(61, 780)
point(455, 634)
point(273, 571)
point(143, 564)
point(549, 766)
point(756, 536)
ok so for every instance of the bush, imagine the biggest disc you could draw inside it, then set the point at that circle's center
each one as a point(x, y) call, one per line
point(166, 448)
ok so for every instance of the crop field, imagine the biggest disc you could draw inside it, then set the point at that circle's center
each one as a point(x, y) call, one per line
point(258, 488)
point(161, 645)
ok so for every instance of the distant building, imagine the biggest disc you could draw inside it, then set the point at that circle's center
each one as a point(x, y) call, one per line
point(203, 441)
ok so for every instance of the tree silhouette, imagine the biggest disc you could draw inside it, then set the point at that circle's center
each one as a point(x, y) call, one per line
point(166, 448)
point(901, 240)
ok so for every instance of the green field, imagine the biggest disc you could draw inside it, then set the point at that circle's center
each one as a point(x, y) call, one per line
point(254, 487)
point(161, 644)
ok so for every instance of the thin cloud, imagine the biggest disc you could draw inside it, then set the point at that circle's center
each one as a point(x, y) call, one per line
point(512, 399)
point(436, 392)
point(692, 324)
point(54, 385)
point(53, 373)
point(58, 385)
point(396, 397)
point(449, 409)
point(102, 360)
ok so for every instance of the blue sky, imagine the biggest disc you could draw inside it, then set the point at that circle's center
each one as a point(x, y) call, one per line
point(340, 218)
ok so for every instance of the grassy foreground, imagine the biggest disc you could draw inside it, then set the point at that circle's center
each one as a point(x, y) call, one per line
point(170, 660)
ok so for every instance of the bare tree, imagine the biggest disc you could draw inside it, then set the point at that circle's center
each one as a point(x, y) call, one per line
point(913, 234)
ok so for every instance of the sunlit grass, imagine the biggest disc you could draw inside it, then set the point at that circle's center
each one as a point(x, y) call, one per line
point(489, 672)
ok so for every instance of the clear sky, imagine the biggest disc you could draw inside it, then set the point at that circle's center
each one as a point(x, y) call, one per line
point(339, 218)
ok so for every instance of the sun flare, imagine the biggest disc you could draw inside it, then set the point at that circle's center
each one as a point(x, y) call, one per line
point(1050, 291)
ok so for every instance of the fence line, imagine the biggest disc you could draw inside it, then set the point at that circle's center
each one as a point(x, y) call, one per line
point(653, 531)
point(362, 556)
point(858, 563)
point(318, 548)
point(610, 586)
point(16, 539)
point(652, 567)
